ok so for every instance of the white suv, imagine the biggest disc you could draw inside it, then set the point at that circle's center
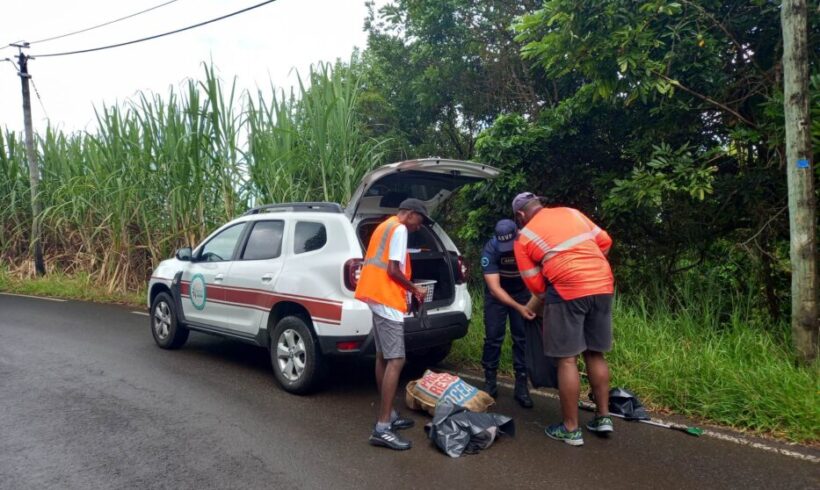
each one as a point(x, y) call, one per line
point(282, 276)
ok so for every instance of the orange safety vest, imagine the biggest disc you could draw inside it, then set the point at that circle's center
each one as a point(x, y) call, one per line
point(375, 284)
point(567, 249)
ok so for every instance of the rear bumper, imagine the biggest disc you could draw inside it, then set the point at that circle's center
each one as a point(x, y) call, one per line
point(443, 329)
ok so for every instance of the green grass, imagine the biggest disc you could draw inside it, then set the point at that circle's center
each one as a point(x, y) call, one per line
point(736, 371)
point(58, 285)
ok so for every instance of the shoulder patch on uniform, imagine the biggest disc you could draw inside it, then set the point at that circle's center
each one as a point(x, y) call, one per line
point(485, 261)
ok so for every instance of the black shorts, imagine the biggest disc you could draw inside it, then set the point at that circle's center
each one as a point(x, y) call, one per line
point(572, 327)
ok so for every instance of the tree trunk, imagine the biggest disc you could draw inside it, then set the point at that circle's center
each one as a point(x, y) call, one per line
point(800, 179)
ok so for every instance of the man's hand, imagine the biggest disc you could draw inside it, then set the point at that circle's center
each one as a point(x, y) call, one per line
point(527, 313)
point(420, 293)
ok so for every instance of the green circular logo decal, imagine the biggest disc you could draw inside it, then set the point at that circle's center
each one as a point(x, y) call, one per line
point(198, 291)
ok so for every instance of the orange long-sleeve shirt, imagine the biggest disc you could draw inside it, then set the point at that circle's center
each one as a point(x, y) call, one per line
point(562, 253)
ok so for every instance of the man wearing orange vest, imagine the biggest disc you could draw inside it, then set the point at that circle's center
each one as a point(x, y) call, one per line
point(383, 285)
point(562, 258)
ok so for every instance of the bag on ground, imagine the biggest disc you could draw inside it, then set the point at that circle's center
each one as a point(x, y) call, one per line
point(434, 388)
point(542, 370)
point(456, 430)
point(624, 402)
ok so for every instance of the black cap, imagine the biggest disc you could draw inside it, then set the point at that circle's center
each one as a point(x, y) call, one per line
point(417, 206)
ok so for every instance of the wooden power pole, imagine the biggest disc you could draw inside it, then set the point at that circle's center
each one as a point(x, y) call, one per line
point(33, 169)
point(800, 179)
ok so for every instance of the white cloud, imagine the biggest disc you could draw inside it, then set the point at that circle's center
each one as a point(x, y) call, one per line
point(257, 47)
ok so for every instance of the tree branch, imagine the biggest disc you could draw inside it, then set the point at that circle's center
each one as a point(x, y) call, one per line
point(705, 98)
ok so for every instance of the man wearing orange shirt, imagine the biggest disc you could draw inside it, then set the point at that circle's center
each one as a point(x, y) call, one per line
point(562, 258)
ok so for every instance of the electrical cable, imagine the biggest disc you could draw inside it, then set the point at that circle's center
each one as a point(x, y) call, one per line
point(156, 36)
point(37, 92)
point(103, 24)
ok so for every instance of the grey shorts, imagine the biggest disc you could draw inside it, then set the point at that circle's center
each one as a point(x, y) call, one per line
point(572, 327)
point(389, 337)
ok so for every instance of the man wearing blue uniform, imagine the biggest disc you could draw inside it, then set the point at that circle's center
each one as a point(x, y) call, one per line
point(505, 295)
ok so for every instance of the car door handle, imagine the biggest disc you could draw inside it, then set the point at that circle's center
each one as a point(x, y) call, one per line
point(267, 278)
point(219, 277)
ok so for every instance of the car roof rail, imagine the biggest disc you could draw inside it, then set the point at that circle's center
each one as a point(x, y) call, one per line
point(317, 207)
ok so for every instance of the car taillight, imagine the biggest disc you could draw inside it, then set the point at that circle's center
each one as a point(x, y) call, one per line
point(348, 346)
point(352, 272)
point(462, 271)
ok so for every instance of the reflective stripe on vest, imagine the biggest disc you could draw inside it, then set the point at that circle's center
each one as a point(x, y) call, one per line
point(376, 260)
point(550, 252)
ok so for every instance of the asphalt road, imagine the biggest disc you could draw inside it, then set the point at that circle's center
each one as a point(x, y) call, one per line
point(88, 401)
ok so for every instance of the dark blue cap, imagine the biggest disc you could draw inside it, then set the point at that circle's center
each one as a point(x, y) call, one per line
point(505, 232)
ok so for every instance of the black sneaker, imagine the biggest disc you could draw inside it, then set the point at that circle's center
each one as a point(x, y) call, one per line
point(402, 423)
point(389, 440)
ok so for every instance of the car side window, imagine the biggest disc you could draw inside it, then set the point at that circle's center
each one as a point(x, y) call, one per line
point(221, 247)
point(264, 241)
point(309, 236)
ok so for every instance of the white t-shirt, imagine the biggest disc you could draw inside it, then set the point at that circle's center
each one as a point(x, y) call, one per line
point(397, 251)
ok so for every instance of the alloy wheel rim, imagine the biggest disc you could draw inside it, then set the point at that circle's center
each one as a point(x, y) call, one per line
point(291, 354)
point(162, 320)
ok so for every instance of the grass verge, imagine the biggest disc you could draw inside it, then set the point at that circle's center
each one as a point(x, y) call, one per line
point(736, 371)
point(75, 286)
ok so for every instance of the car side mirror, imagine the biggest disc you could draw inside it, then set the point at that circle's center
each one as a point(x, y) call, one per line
point(184, 254)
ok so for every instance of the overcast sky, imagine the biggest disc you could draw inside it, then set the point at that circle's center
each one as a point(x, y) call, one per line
point(259, 46)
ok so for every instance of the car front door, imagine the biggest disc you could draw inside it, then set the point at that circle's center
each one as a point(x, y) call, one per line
point(203, 295)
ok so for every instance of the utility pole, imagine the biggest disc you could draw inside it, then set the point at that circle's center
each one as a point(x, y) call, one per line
point(33, 169)
point(800, 179)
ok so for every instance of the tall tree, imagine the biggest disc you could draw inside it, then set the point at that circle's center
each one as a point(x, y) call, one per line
point(448, 68)
point(713, 69)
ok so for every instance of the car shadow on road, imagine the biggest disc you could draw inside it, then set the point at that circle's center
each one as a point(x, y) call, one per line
point(348, 375)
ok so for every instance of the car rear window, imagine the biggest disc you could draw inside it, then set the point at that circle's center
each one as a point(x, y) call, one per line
point(309, 236)
point(265, 241)
point(422, 240)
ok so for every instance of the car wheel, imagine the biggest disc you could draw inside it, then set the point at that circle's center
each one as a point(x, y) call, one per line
point(168, 333)
point(295, 356)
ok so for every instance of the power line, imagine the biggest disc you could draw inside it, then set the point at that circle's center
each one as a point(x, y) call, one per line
point(156, 36)
point(103, 24)
point(12, 45)
point(37, 93)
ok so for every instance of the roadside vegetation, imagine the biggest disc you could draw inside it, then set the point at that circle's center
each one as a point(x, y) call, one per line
point(686, 357)
point(662, 122)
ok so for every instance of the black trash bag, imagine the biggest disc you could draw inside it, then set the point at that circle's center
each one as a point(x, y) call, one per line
point(624, 402)
point(456, 430)
point(420, 311)
point(542, 370)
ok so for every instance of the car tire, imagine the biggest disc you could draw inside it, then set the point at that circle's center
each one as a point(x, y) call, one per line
point(295, 356)
point(430, 357)
point(168, 333)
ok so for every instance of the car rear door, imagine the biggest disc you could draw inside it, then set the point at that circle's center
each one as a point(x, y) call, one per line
point(250, 284)
point(431, 180)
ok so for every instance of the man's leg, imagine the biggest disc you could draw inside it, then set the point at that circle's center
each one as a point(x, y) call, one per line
point(598, 338)
point(495, 326)
point(598, 374)
point(564, 341)
point(389, 385)
point(522, 391)
point(389, 363)
point(569, 387)
point(381, 365)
